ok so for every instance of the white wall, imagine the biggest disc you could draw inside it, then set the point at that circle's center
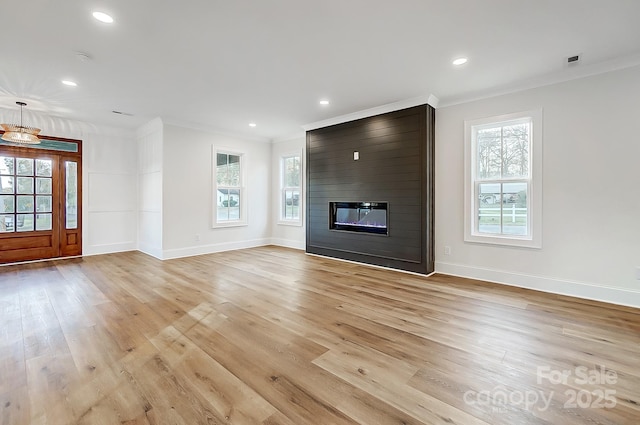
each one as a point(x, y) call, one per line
point(150, 154)
point(591, 206)
point(109, 168)
point(291, 236)
point(109, 193)
point(590, 202)
point(187, 201)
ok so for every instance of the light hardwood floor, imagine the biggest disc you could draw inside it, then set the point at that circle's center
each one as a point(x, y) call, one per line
point(273, 336)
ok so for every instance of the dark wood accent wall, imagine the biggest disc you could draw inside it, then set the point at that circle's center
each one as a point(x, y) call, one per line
point(396, 153)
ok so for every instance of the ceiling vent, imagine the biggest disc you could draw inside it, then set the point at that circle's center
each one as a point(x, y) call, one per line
point(573, 60)
point(122, 113)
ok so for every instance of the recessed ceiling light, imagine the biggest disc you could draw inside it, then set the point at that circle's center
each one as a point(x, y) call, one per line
point(324, 102)
point(103, 17)
point(69, 83)
point(460, 61)
point(252, 124)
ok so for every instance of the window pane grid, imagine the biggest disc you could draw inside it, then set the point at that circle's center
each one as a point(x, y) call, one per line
point(24, 166)
point(7, 223)
point(25, 222)
point(290, 188)
point(503, 208)
point(26, 187)
point(44, 167)
point(43, 222)
point(7, 184)
point(502, 178)
point(7, 165)
point(228, 187)
point(43, 186)
point(291, 207)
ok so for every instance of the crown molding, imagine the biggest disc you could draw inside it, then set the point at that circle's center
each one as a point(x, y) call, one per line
point(217, 131)
point(566, 74)
point(383, 109)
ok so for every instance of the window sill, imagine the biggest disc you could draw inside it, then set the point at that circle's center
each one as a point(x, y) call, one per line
point(504, 241)
point(293, 223)
point(223, 225)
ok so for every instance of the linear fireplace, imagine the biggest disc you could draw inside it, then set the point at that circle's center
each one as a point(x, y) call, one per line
point(363, 217)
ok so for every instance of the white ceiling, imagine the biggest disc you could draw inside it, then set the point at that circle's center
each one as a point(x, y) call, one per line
point(222, 64)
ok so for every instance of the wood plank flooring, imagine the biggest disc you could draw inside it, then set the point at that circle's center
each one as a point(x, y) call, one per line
point(273, 336)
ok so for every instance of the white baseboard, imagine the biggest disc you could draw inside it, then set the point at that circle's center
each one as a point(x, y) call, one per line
point(169, 254)
point(108, 248)
point(288, 243)
point(150, 250)
point(584, 290)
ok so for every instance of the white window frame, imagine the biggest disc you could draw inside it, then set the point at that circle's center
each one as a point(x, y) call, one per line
point(281, 219)
point(242, 221)
point(534, 182)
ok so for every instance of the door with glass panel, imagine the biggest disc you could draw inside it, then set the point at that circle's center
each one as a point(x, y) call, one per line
point(39, 204)
point(69, 225)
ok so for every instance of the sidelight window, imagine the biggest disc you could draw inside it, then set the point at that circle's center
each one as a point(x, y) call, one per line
point(71, 189)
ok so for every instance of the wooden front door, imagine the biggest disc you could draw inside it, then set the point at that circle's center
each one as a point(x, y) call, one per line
point(40, 201)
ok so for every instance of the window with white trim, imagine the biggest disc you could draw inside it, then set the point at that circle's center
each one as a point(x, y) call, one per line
point(503, 157)
point(290, 189)
point(229, 191)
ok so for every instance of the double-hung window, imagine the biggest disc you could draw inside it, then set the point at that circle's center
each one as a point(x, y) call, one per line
point(503, 202)
point(229, 192)
point(290, 192)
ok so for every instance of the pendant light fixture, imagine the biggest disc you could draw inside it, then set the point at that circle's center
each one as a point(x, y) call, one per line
point(19, 133)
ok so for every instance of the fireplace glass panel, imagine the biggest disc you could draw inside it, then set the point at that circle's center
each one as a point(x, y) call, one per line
point(364, 217)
